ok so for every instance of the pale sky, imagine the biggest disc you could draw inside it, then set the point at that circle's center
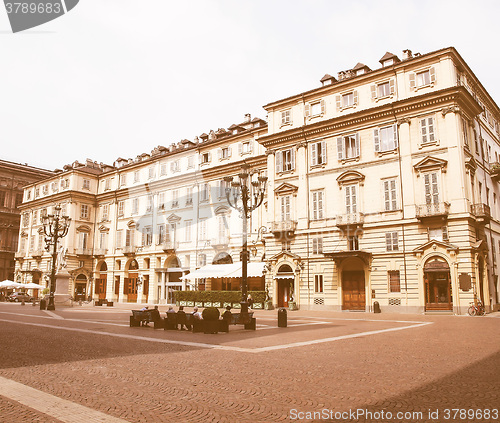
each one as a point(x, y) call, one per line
point(118, 77)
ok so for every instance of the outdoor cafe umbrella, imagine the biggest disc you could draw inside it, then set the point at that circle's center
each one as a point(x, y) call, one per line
point(32, 285)
point(10, 284)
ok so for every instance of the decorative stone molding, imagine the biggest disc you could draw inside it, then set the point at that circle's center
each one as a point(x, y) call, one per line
point(451, 109)
point(270, 151)
point(403, 120)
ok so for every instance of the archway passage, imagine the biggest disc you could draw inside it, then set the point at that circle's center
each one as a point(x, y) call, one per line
point(353, 290)
point(285, 279)
point(437, 285)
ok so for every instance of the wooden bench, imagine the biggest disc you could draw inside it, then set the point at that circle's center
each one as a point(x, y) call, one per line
point(144, 317)
point(236, 320)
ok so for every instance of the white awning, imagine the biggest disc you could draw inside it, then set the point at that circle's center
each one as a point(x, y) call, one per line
point(232, 270)
point(284, 276)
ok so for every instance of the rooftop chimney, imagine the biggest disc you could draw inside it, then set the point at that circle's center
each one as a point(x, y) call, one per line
point(407, 54)
point(248, 117)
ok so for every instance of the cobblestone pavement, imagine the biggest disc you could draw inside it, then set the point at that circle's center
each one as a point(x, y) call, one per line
point(371, 362)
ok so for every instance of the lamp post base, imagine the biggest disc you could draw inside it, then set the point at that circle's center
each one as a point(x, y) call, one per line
point(51, 305)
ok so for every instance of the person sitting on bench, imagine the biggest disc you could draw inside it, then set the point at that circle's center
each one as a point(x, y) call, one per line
point(227, 315)
point(181, 319)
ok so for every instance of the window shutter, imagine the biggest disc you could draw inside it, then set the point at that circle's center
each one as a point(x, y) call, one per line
point(376, 140)
point(314, 154)
point(323, 107)
point(240, 148)
point(323, 152)
point(357, 146)
point(307, 110)
point(315, 205)
point(412, 81)
point(374, 92)
point(229, 151)
point(279, 161)
point(445, 234)
point(427, 187)
point(340, 148)
point(337, 102)
point(219, 153)
point(355, 97)
point(388, 241)
point(348, 200)
point(387, 199)
point(395, 135)
point(209, 156)
point(292, 158)
point(354, 199)
point(392, 87)
point(250, 146)
point(432, 72)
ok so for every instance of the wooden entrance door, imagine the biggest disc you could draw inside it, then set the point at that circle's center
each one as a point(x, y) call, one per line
point(438, 291)
point(284, 290)
point(130, 287)
point(100, 287)
point(353, 290)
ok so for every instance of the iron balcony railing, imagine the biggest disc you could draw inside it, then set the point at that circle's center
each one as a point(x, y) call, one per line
point(432, 209)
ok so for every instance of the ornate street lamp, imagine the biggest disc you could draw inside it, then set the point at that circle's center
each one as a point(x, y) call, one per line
point(245, 195)
point(54, 227)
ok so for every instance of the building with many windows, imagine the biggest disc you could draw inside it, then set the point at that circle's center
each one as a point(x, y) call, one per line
point(13, 178)
point(139, 227)
point(383, 187)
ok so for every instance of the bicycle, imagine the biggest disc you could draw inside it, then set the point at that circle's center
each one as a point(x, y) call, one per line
point(476, 309)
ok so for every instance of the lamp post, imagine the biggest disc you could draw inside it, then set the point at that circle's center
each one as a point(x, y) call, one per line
point(245, 195)
point(54, 227)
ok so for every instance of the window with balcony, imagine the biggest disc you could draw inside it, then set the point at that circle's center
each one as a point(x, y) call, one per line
point(285, 203)
point(351, 200)
point(385, 138)
point(348, 147)
point(175, 198)
point(391, 241)
point(318, 153)
point(431, 188)
point(285, 160)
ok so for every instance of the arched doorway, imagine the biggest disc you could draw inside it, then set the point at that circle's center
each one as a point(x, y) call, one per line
point(36, 276)
point(285, 278)
point(101, 281)
point(80, 287)
point(222, 258)
point(130, 282)
point(174, 283)
point(437, 280)
point(353, 285)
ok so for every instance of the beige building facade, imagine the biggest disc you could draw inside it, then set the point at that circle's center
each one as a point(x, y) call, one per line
point(383, 187)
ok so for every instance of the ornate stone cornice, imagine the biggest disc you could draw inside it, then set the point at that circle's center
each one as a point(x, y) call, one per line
point(450, 109)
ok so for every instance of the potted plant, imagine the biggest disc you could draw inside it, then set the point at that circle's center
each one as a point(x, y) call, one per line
point(211, 319)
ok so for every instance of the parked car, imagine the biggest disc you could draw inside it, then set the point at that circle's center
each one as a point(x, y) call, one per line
point(19, 297)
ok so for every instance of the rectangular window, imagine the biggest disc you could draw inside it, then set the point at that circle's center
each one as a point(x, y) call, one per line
point(246, 147)
point(86, 184)
point(224, 153)
point(285, 160)
point(175, 198)
point(175, 166)
point(286, 117)
point(123, 179)
point(103, 240)
point(163, 169)
point(105, 212)
point(390, 195)
point(438, 234)
point(423, 78)
point(317, 203)
point(205, 158)
point(465, 130)
point(107, 184)
point(384, 89)
point(391, 241)
point(84, 211)
point(129, 237)
point(190, 162)
point(119, 238)
point(286, 246)
point(83, 241)
point(136, 176)
point(161, 234)
point(285, 208)
point(353, 243)
point(348, 100)
point(151, 173)
point(121, 208)
point(318, 153)
point(351, 201)
point(431, 188)
point(318, 283)
point(317, 245)
point(189, 196)
point(147, 236)
point(348, 147)
point(202, 260)
point(135, 205)
point(202, 229)
point(32, 243)
point(204, 194)
point(187, 234)
point(394, 281)
point(427, 130)
point(386, 138)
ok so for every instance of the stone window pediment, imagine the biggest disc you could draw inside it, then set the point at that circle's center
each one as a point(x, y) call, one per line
point(83, 228)
point(351, 177)
point(173, 218)
point(286, 188)
point(430, 163)
point(103, 228)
